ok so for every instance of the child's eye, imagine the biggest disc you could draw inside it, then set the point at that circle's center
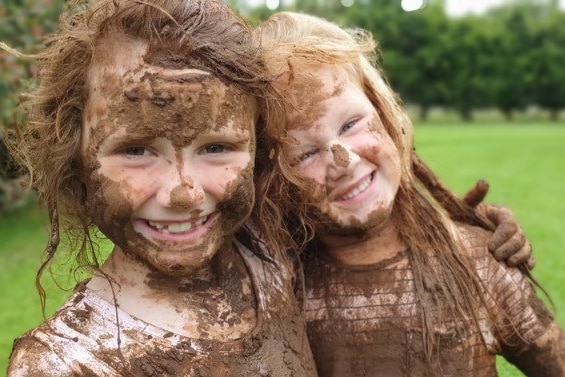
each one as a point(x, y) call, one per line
point(215, 148)
point(305, 156)
point(348, 126)
point(136, 151)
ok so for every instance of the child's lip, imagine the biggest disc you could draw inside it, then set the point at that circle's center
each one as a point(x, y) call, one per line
point(177, 226)
point(354, 190)
point(178, 231)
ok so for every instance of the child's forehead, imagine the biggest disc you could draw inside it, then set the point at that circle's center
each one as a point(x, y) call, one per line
point(307, 91)
point(136, 80)
point(177, 104)
point(317, 81)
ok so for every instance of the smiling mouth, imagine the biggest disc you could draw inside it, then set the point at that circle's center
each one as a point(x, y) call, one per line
point(361, 187)
point(178, 227)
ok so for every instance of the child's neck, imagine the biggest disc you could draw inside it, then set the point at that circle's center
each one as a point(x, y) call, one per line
point(214, 297)
point(371, 247)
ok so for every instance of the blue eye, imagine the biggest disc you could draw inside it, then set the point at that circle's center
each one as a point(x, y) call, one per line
point(215, 148)
point(136, 151)
point(347, 126)
point(307, 155)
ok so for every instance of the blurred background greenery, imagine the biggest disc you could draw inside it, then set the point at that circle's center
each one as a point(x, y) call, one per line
point(486, 92)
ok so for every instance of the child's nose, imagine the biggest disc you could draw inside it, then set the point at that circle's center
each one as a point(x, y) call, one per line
point(180, 192)
point(340, 155)
point(341, 162)
point(185, 196)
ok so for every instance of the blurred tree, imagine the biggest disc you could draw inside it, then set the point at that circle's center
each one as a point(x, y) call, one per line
point(412, 55)
point(23, 24)
point(418, 66)
point(508, 58)
point(517, 38)
point(548, 59)
point(469, 69)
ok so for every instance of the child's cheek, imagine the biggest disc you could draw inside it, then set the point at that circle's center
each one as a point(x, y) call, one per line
point(370, 153)
point(109, 208)
point(238, 200)
point(315, 194)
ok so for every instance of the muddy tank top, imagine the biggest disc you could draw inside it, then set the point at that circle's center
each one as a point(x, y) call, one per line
point(89, 336)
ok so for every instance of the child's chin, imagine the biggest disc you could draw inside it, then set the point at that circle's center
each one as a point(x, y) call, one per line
point(181, 265)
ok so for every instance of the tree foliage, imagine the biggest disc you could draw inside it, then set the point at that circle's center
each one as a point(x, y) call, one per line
point(509, 58)
point(22, 25)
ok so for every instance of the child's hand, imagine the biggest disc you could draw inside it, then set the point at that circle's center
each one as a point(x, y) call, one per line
point(508, 242)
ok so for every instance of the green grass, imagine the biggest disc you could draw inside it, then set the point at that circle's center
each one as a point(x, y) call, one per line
point(22, 234)
point(523, 164)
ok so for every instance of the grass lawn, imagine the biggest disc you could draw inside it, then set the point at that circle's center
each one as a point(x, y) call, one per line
point(524, 165)
point(522, 162)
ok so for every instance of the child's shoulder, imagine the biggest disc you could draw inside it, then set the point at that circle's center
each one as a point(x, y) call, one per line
point(32, 357)
point(474, 240)
point(55, 345)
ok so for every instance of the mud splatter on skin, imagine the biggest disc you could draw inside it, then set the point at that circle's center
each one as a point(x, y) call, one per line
point(113, 213)
point(162, 100)
point(240, 196)
point(221, 299)
point(341, 156)
point(306, 95)
point(326, 215)
point(151, 103)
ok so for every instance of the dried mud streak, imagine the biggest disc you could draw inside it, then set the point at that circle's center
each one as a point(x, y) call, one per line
point(340, 155)
point(154, 103)
point(326, 219)
point(306, 98)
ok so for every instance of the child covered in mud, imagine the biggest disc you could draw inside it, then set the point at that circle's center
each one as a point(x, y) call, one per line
point(143, 127)
point(398, 280)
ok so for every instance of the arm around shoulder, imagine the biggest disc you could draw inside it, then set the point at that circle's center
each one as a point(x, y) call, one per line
point(545, 357)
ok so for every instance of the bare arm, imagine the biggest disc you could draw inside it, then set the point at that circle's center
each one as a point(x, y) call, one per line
point(508, 242)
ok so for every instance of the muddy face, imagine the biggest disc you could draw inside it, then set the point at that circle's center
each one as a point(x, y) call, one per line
point(343, 150)
point(169, 159)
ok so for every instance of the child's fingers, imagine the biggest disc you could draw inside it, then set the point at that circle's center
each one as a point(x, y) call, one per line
point(476, 195)
point(517, 250)
point(531, 263)
point(524, 256)
point(506, 240)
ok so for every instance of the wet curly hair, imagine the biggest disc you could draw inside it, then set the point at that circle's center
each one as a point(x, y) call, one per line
point(201, 34)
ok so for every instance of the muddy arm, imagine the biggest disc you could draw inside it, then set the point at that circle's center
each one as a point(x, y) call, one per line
point(543, 358)
point(508, 242)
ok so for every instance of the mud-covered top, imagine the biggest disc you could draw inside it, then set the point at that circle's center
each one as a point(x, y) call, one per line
point(83, 338)
point(366, 321)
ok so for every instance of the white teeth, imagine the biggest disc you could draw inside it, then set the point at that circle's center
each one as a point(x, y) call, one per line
point(156, 225)
point(358, 190)
point(177, 227)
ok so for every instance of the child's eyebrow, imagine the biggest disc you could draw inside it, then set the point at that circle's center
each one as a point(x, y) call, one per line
point(139, 136)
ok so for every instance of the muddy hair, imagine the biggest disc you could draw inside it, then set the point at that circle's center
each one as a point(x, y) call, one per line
point(202, 34)
point(293, 44)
